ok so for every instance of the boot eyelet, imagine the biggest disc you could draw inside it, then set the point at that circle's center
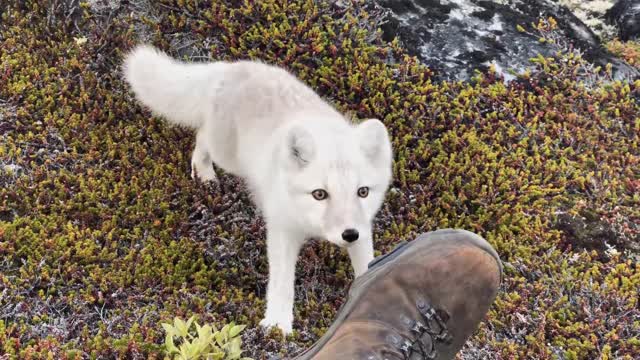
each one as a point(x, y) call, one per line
point(434, 328)
point(419, 327)
point(406, 348)
point(394, 340)
point(408, 322)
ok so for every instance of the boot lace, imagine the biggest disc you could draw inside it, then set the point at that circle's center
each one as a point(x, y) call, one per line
point(433, 328)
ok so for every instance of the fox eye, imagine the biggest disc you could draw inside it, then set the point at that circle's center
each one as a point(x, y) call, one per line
point(319, 194)
point(363, 192)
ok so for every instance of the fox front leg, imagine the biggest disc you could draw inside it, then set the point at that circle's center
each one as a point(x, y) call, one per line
point(283, 248)
point(361, 254)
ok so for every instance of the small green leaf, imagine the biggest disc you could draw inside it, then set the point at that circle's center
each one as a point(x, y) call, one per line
point(219, 355)
point(204, 332)
point(225, 331)
point(236, 330)
point(190, 321)
point(169, 344)
point(219, 338)
point(181, 327)
point(168, 329)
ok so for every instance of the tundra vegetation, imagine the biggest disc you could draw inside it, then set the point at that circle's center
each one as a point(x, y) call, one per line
point(104, 236)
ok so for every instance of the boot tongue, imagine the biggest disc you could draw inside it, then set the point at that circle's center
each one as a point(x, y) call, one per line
point(411, 321)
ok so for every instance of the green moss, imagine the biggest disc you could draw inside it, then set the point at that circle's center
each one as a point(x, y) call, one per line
point(103, 234)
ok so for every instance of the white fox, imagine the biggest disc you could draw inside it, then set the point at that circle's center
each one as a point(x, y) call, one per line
point(313, 174)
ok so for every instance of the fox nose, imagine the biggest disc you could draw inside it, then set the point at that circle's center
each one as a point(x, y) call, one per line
point(350, 235)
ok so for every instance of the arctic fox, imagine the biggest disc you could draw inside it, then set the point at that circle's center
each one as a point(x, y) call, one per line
point(313, 174)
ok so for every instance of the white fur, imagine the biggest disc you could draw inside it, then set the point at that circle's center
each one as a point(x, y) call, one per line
point(259, 122)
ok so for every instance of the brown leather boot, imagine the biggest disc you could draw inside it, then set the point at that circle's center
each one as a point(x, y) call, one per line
point(420, 301)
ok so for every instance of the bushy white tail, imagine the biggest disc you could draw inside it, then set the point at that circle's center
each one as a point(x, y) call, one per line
point(176, 90)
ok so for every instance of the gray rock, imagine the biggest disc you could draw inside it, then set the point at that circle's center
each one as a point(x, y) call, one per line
point(625, 15)
point(454, 37)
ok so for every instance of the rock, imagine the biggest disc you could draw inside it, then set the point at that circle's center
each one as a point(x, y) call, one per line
point(592, 13)
point(454, 37)
point(587, 231)
point(625, 15)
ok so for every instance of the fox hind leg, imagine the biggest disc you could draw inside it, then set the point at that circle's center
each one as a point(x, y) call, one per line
point(201, 162)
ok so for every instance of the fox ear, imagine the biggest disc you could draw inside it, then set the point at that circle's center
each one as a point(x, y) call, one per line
point(300, 148)
point(374, 142)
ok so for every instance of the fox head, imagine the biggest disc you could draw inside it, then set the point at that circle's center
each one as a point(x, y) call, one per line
point(336, 177)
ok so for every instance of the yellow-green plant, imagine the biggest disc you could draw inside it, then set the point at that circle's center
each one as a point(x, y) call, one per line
point(629, 51)
point(206, 342)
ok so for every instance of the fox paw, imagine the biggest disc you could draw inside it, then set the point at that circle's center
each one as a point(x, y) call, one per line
point(284, 326)
point(203, 173)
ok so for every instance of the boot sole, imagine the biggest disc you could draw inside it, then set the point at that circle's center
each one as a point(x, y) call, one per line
point(375, 267)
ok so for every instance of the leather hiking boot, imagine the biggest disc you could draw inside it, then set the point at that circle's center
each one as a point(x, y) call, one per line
point(422, 300)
